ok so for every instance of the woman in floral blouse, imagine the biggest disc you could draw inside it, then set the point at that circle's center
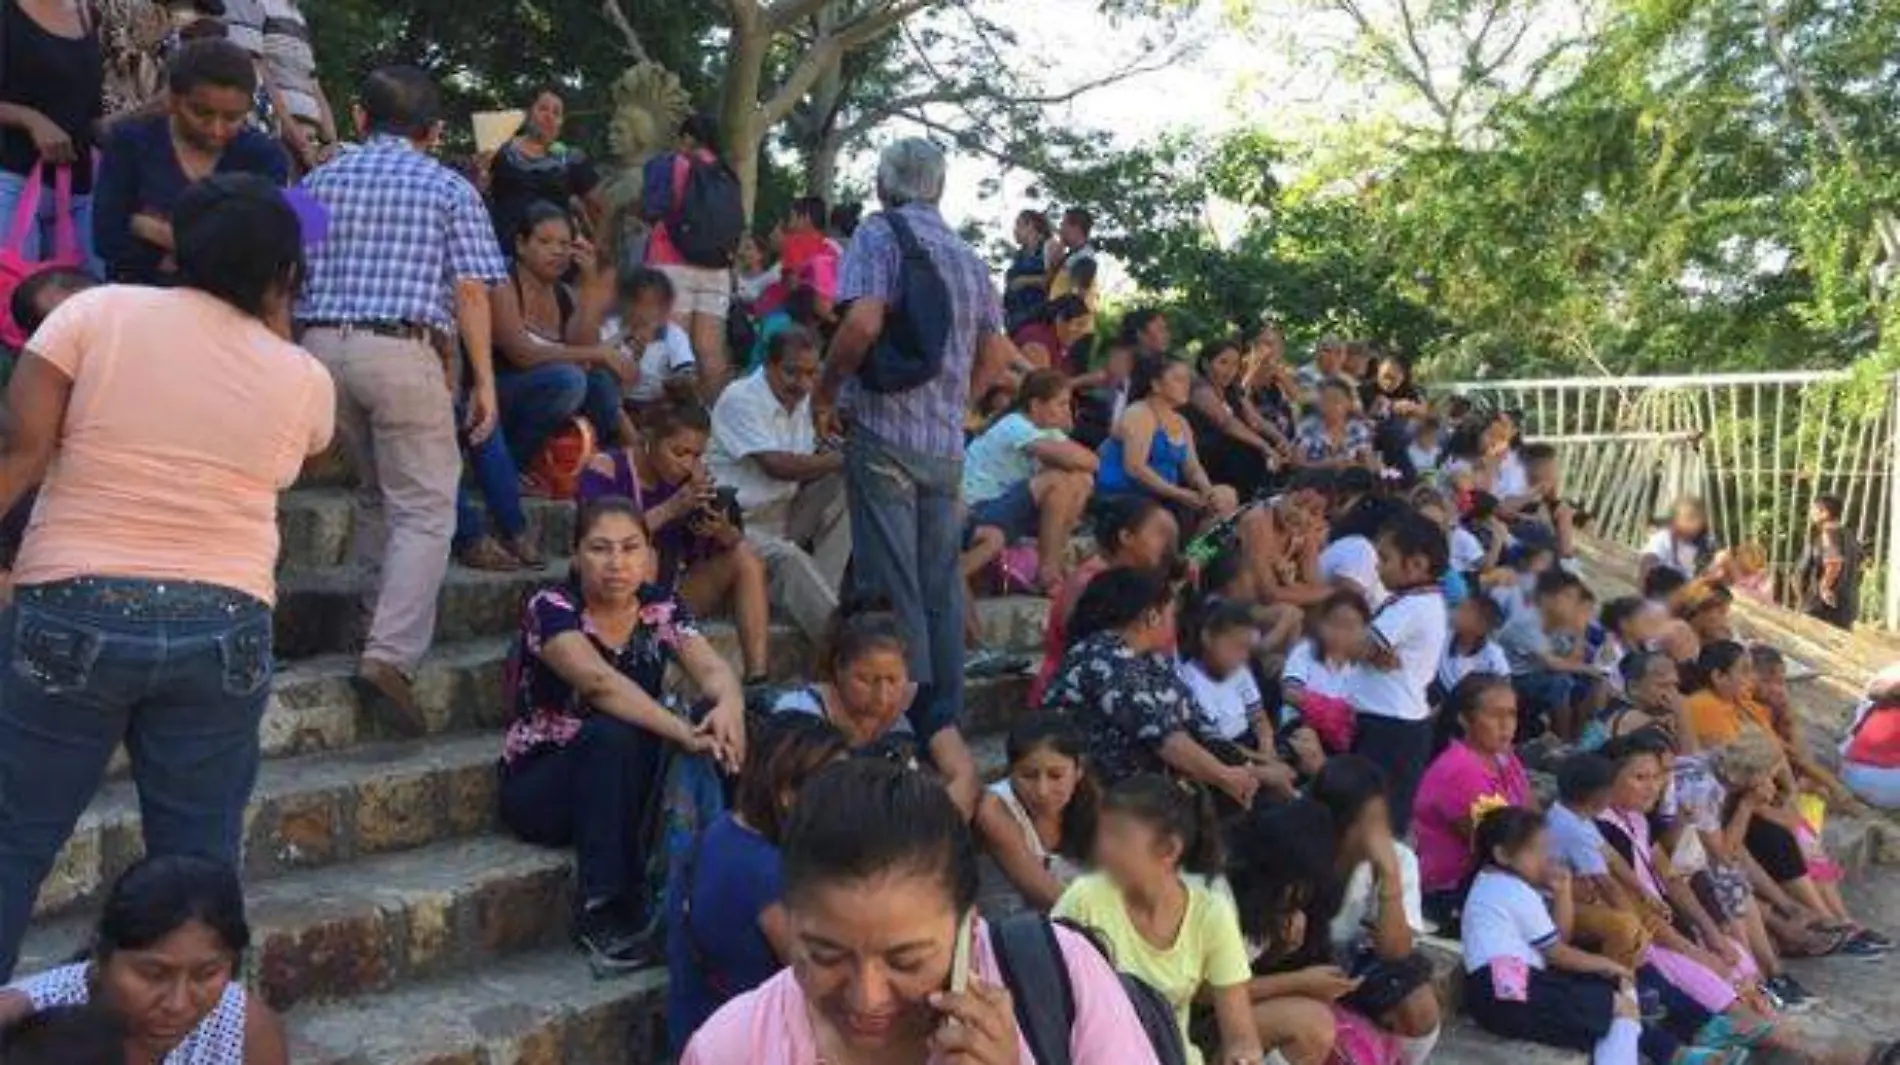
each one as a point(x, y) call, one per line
point(1126, 697)
point(1338, 436)
point(587, 734)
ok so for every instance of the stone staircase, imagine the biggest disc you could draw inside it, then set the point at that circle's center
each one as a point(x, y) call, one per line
point(393, 922)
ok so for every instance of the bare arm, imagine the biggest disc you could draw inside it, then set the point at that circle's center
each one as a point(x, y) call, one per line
point(1192, 473)
point(791, 466)
point(476, 320)
point(713, 676)
point(1571, 959)
point(1136, 432)
point(1064, 454)
point(1209, 403)
point(264, 1039)
point(1233, 1014)
point(1003, 838)
point(776, 927)
point(953, 760)
point(853, 341)
point(575, 660)
point(29, 425)
point(997, 360)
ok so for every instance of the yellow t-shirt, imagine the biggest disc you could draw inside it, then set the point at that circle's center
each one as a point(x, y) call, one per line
point(1208, 952)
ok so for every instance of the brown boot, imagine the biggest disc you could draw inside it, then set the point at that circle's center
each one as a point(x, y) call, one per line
point(386, 689)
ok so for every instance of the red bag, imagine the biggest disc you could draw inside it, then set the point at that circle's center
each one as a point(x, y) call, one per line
point(1331, 719)
point(14, 265)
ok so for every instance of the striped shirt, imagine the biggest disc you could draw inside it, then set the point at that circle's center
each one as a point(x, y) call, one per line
point(403, 230)
point(927, 419)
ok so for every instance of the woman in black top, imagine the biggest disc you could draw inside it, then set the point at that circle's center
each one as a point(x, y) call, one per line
point(51, 78)
point(534, 166)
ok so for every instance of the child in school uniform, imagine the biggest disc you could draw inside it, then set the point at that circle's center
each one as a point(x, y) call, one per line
point(1216, 670)
point(1405, 640)
point(1317, 684)
point(1471, 648)
point(1523, 981)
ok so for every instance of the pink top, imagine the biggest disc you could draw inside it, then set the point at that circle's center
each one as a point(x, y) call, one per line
point(186, 418)
point(770, 1025)
point(1451, 787)
point(660, 249)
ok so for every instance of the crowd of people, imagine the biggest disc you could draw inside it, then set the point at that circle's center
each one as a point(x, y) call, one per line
point(1297, 683)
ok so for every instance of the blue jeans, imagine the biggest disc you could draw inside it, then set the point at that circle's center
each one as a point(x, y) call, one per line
point(41, 239)
point(906, 531)
point(181, 677)
point(535, 403)
point(498, 480)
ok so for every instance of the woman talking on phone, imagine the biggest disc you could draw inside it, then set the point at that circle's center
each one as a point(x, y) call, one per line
point(889, 965)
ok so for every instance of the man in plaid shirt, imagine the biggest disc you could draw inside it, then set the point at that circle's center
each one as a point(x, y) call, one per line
point(407, 264)
point(904, 453)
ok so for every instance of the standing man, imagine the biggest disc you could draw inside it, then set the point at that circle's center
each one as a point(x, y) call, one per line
point(408, 240)
point(904, 454)
point(790, 492)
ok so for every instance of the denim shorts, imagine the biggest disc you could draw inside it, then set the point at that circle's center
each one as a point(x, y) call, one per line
point(1014, 512)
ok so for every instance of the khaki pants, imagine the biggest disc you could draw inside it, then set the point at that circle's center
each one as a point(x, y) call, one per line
point(805, 542)
point(396, 420)
point(1616, 934)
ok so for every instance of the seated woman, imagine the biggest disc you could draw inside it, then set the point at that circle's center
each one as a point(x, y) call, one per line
point(703, 553)
point(1128, 701)
point(1024, 477)
point(1135, 532)
point(1283, 880)
point(1037, 824)
point(588, 734)
point(1380, 908)
point(1870, 756)
point(866, 690)
point(1234, 442)
point(1337, 437)
point(726, 931)
point(550, 364)
point(1158, 905)
point(879, 873)
point(1477, 771)
point(169, 922)
point(1151, 451)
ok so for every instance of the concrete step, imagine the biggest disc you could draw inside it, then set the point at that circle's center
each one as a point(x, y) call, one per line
point(375, 924)
point(542, 1008)
point(319, 611)
point(315, 525)
point(310, 812)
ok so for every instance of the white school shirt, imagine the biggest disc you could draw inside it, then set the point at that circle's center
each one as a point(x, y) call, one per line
point(668, 356)
point(1412, 623)
point(1305, 667)
point(1354, 558)
point(1671, 553)
point(1467, 551)
point(1226, 706)
point(1489, 658)
point(1512, 479)
point(749, 420)
point(1505, 918)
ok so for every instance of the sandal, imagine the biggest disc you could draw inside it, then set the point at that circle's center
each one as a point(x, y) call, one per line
point(487, 555)
point(525, 552)
point(1816, 943)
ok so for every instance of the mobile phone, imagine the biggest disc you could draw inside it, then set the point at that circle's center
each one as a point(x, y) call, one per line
point(960, 958)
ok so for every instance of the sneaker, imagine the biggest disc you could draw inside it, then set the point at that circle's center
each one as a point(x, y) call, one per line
point(1868, 945)
point(1788, 994)
point(611, 942)
point(1876, 938)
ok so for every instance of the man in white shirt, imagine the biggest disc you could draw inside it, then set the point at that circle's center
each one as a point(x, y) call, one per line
point(790, 492)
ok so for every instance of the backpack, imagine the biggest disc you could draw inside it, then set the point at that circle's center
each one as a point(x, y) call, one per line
point(15, 267)
point(910, 350)
point(1031, 959)
point(708, 214)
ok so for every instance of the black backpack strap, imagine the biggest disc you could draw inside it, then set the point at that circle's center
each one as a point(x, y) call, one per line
point(907, 242)
point(1033, 967)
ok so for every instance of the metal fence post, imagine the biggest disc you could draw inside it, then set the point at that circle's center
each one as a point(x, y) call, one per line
point(1891, 615)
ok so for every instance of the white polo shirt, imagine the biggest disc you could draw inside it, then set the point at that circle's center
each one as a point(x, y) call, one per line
point(1414, 625)
point(749, 420)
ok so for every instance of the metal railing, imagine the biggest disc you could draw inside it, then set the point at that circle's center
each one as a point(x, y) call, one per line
point(1757, 448)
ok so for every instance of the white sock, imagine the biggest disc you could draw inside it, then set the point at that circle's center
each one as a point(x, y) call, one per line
point(1414, 1050)
point(1620, 1045)
point(1274, 1057)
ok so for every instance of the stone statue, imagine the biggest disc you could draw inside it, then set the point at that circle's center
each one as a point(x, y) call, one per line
point(648, 105)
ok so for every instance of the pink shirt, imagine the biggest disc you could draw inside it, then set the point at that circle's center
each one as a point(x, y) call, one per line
point(1442, 811)
point(770, 1025)
point(186, 418)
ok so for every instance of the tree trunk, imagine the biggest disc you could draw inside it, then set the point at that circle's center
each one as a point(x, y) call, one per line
point(739, 110)
point(821, 166)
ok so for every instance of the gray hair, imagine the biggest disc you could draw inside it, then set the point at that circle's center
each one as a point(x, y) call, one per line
point(910, 171)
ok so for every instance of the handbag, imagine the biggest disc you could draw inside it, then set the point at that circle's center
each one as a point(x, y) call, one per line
point(15, 267)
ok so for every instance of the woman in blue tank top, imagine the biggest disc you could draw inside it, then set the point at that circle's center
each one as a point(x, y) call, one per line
point(1151, 451)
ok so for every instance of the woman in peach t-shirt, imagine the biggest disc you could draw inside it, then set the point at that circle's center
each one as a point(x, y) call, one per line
point(878, 869)
point(161, 424)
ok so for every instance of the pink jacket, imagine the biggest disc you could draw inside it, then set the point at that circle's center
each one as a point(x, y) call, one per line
point(769, 1025)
